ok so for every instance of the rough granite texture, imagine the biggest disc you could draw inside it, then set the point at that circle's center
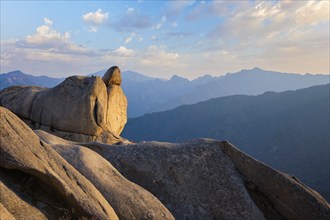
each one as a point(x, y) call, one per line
point(129, 200)
point(22, 152)
point(208, 179)
point(290, 198)
point(79, 109)
point(52, 178)
point(193, 180)
point(112, 76)
point(4, 214)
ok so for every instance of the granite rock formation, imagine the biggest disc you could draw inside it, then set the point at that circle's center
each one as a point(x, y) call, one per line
point(43, 176)
point(74, 183)
point(208, 179)
point(49, 177)
point(39, 182)
point(78, 109)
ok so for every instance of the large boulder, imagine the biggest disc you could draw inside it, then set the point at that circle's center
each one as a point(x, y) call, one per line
point(79, 109)
point(36, 182)
point(129, 200)
point(208, 179)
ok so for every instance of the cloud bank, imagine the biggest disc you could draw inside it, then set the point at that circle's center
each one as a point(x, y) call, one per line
point(188, 38)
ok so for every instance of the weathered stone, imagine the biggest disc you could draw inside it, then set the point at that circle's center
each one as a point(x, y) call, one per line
point(117, 109)
point(112, 76)
point(201, 179)
point(129, 200)
point(4, 214)
point(193, 180)
point(22, 151)
point(276, 192)
point(207, 179)
point(26, 197)
point(19, 99)
point(78, 109)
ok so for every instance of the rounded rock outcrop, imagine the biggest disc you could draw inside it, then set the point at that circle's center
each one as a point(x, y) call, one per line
point(112, 76)
point(56, 186)
point(79, 109)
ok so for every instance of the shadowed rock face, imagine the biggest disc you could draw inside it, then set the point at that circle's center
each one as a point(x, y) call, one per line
point(46, 177)
point(30, 163)
point(129, 200)
point(39, 183)
point(208, 179)
point(79, 109)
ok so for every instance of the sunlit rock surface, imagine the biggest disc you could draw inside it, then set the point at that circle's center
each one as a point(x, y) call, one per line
point(79, 109)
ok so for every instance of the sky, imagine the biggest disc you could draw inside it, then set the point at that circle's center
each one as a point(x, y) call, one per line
point(163, 38)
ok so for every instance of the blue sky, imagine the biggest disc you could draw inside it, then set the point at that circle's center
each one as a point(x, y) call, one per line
point(162, 38)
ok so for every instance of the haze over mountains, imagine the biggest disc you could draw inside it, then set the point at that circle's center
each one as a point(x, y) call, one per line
point(84, 174)
point(18, 78)
point(146, 94)
point(288, 130)
point(276, 127)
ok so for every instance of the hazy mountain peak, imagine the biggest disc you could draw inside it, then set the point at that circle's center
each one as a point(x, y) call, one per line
point(257, 69)
point(252, 71)
point(206, 76)
point(17, 77)
point(176, 78)
point(15, 73)
point(132, 75)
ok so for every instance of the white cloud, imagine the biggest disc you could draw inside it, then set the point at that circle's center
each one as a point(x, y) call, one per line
point(157, 56)
point(125, 52)
point(46, 36)
point(47, 51)
point(161, 23)
point(95, 18)
point(130, 38)
point(252, 32)
point(48, 22)
point(130, 10)
point(276, 35)
point(53, 53)
point(313, 13)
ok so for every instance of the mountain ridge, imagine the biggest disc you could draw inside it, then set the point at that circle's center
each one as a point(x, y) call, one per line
point(147, 94)
point(287, 126)
point(84, 177)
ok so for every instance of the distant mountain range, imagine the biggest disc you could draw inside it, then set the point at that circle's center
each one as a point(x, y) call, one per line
point(287, 130)
point(18, 78)
point(146, 94)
